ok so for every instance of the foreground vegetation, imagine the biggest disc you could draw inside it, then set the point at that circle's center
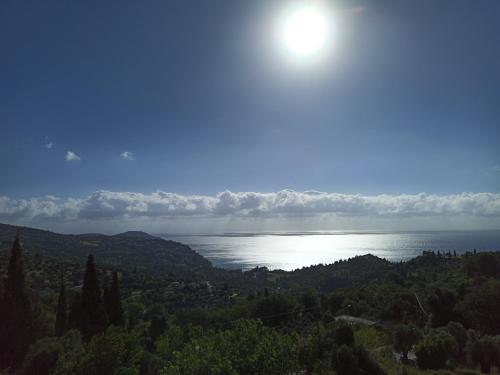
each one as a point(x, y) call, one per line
point(435, 314)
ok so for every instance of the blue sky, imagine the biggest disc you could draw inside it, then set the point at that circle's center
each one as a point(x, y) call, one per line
point(204, 101)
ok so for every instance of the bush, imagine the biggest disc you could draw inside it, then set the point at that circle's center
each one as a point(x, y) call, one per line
point(435, 350)
point(248, 348)
point(405, 337)
point(274, 310)
point(42, 357)
point(482, 309)
point(345, 361)
point(113, 352)
point(484, 352)
point(458, 331)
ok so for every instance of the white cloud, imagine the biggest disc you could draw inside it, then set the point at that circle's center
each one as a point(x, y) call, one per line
point(496, 168)
point(127, 155)
point(284, 204)
point(49, 145)
point(71, 156)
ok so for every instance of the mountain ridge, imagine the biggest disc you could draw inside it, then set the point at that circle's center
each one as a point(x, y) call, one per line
point(119, 251)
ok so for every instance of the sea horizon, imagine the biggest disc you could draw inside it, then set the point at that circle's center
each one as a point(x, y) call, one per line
point(290, 250)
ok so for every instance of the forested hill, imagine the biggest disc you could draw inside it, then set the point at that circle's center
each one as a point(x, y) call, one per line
point(435, 314)
point(126, 250)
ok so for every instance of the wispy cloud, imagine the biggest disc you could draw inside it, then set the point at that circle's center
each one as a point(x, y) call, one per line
point(48, 144)
point(286, 203)
point(127, 155)
point(71, 156)
point(496, 168)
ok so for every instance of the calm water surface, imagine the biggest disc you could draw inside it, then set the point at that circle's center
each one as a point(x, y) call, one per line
point(291, 250)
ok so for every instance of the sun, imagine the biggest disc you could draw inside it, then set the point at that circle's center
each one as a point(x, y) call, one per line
point(305, 30)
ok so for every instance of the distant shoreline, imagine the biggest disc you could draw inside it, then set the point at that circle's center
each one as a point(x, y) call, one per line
point(291, 250)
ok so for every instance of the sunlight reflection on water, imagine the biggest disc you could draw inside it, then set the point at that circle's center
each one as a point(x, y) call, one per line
point(289, 251)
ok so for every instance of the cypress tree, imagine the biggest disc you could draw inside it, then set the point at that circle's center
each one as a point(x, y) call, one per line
point(116, 311)
point(156, 329)
point(61, 316)
point(94, 319)
point(16, 321)
point(107, 301)
point(75, 312)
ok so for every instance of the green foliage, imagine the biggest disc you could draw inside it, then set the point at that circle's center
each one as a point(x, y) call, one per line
point(116, 311)
point(405, 337)
point(275, 310)
point(481, 307)
point(342, 334)
point(345, 361)
point(435, 349)
point(70, 352)
point(248, 348)
point(75, 312)
point(458, 331)
point(61, 315)
point(185, 325)
point(94, 319)
point(42, 357)
point(16, 314)
point(54, 355)
point(115, 351)
point(149, 253)
point(310, 304)
point(485, 352)
point(442, 305)
point(366, 364)
point(157, 327)
point(174, 339)
point(333, 302)
point(485, 264)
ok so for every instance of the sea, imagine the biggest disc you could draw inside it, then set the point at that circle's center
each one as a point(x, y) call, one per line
point(293, 250)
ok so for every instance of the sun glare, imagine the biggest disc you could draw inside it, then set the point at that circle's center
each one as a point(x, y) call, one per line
point(306, 30)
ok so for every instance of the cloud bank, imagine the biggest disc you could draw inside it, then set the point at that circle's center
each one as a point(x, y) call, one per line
point(108, 205)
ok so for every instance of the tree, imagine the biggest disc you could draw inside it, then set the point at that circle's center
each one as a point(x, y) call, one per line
point(94, 319)
point(343, 335)
point(114, 351)
point(345, 361)
point(484, 352)
point(405, 337)
point(366, 363)
point(458, 331)
point(106, 300)
point(156, 329)
point(310, 303)
point(334, 303)
point(75, 312)
point(61, 316)
point(481, 307)
point(435, 349)
point(16, 320)
point(274, 310)
point(42, 357)
point(248, 348)
point(442, 305)
point(116, 311)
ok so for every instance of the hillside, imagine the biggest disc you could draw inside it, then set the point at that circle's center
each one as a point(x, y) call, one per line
point(126, 250)
point(137, 234)
point(367, 314)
